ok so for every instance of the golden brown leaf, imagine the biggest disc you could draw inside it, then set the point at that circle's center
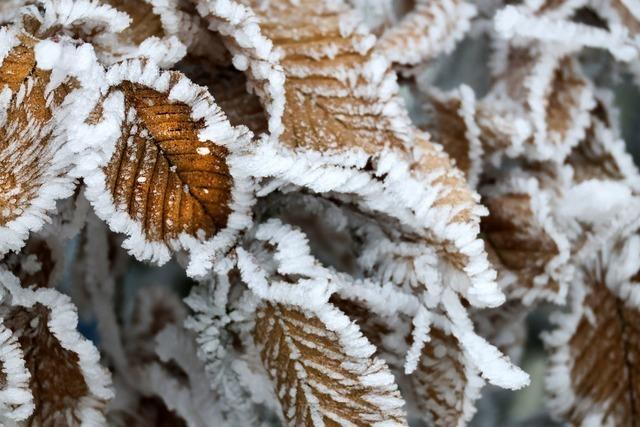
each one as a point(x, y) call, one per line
point(33, 167)
point(523, 242)
point(317, 380)
point(445, 385)
point(162, 136)
point(453, 124)
point(165, 180)
point(336, 91)
point(594, 373)
point(68, 385)
point(429, 29)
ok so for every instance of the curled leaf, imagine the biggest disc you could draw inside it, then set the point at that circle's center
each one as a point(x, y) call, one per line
point(35, 159)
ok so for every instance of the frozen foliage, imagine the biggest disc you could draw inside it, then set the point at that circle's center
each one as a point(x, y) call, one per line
point(354, 264)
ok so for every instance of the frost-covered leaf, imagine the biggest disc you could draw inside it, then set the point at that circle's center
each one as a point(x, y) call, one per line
point(338, 95)
point(323, 375)
point(429, 29)
point(593, 376)
point(530, 252)
point(67, 383)
point(602, 154)
point(453, 124)
point(170, 179)
point(549, 95)
point(445, 384)
point(34, 162)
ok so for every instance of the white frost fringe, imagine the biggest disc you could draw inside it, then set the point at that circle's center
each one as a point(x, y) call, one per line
point(512, 22)
point(16, 399)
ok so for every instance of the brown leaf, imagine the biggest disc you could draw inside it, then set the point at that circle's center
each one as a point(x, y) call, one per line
point(549, 94)
point(429, 29)
point(594, 358)
point(445, 386)
point(453, 125)
point(160, 136)
point(33, 168)
point(524, 243)
point(334, 88)
point(68, 385)
point(316, 379)
point(162, 181)
point(602, 153)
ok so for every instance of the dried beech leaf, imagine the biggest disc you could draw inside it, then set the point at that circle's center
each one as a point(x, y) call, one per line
point(530, 253)
point(453, 124)
point(445, 385)
point(67, 382)
point(593, 377)
point(155, 31)
point(431, 28)
point(33, 160)
point(229, 88)
point(342, 99)
point(338, 95)
point(319, 380)
point(170, 182)
point(602, 154)
point(547, 91)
